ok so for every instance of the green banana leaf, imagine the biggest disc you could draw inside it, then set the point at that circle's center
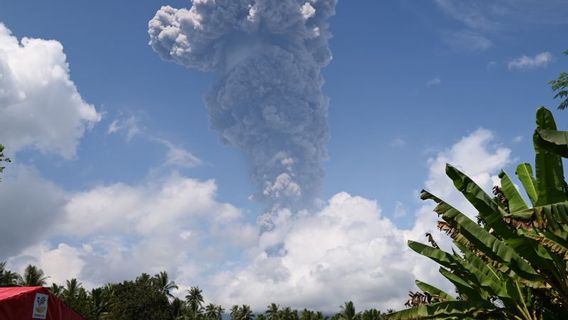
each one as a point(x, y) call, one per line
point(464, 286)
point(485, 241)
point(488, 209)
point(549, 171)
point(440, 256)
point(433, 291)
point(516, 202)
point(554, 141)
point(525, 173)
point(444, 310)
point(551, 217)
point(484, 274)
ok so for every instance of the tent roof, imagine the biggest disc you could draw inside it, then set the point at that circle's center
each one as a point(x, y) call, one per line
point(10, 292)
point(17, 303)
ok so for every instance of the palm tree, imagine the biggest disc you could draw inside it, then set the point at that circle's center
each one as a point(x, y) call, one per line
point(307, 315)
point(144, 278)
point(100, 299)
point(286, 314)
point(235, 312)
point(272, 312)
point(7, 277)
point(220, 311)
point(33, 276)
point(245, 313)
point(211, 312)
point(164, 283)
point(56, 290)
point(71, 290)
point(195, 300)
point(177, 308)
point(371, 314)
point(3, 158)
point(348, 311)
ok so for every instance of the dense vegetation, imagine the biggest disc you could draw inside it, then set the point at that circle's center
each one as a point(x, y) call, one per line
point(150, 297)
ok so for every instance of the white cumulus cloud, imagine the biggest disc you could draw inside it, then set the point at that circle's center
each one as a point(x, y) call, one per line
point(119, 230)
point(523, 63)
point(40, 106)
point(349, 250)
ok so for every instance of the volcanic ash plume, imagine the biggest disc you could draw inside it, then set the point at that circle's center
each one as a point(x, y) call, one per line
point(268, 100)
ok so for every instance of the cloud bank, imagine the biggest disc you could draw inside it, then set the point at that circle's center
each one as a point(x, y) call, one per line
point(318, 259)
point(268, 100)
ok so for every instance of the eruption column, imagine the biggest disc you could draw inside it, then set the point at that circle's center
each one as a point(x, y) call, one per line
point(268, 99)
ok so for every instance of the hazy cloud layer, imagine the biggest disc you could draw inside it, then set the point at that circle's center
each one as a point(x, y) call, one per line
point(484, 20)
point(31, 205)
point(175, 156)
point(268, 100)
point(40, 106)
point(494, 15)
point(467, 41)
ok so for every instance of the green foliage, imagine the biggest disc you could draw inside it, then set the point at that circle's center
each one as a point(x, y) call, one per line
point(241, 312)
point(560, 86)
point(195, 301)
point(139, 299)
point(33, 276)
point(8, 278)
point(3, 158)
point(149, 297)
point(513, 262)
point(348, 311)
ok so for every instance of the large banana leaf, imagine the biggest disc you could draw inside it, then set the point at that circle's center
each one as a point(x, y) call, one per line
point(445, 310)
point(464, 286)
point(493, 216)
point(488, 209)
point(515, 264)
point(553, 243)
point(516, 202)
point(554, 141)
point(525, 173)
point(483, 240)
point(549, 171)
point(433, 291)
point(485, 276)
point(440, 256)
point(551, 217)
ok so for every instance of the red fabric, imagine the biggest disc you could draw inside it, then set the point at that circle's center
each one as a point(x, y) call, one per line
point(17, 304)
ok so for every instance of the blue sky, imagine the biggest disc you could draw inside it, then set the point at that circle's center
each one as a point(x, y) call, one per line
point(411, 84)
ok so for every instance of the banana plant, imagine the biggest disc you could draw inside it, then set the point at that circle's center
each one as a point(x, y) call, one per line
point(513, 262)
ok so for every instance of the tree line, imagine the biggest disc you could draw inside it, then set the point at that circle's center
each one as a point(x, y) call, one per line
point(151, 297)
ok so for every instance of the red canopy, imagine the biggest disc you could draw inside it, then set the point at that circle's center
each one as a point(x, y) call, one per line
point(23, 303)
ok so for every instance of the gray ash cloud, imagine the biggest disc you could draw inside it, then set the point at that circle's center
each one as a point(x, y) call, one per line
point(268, 100)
